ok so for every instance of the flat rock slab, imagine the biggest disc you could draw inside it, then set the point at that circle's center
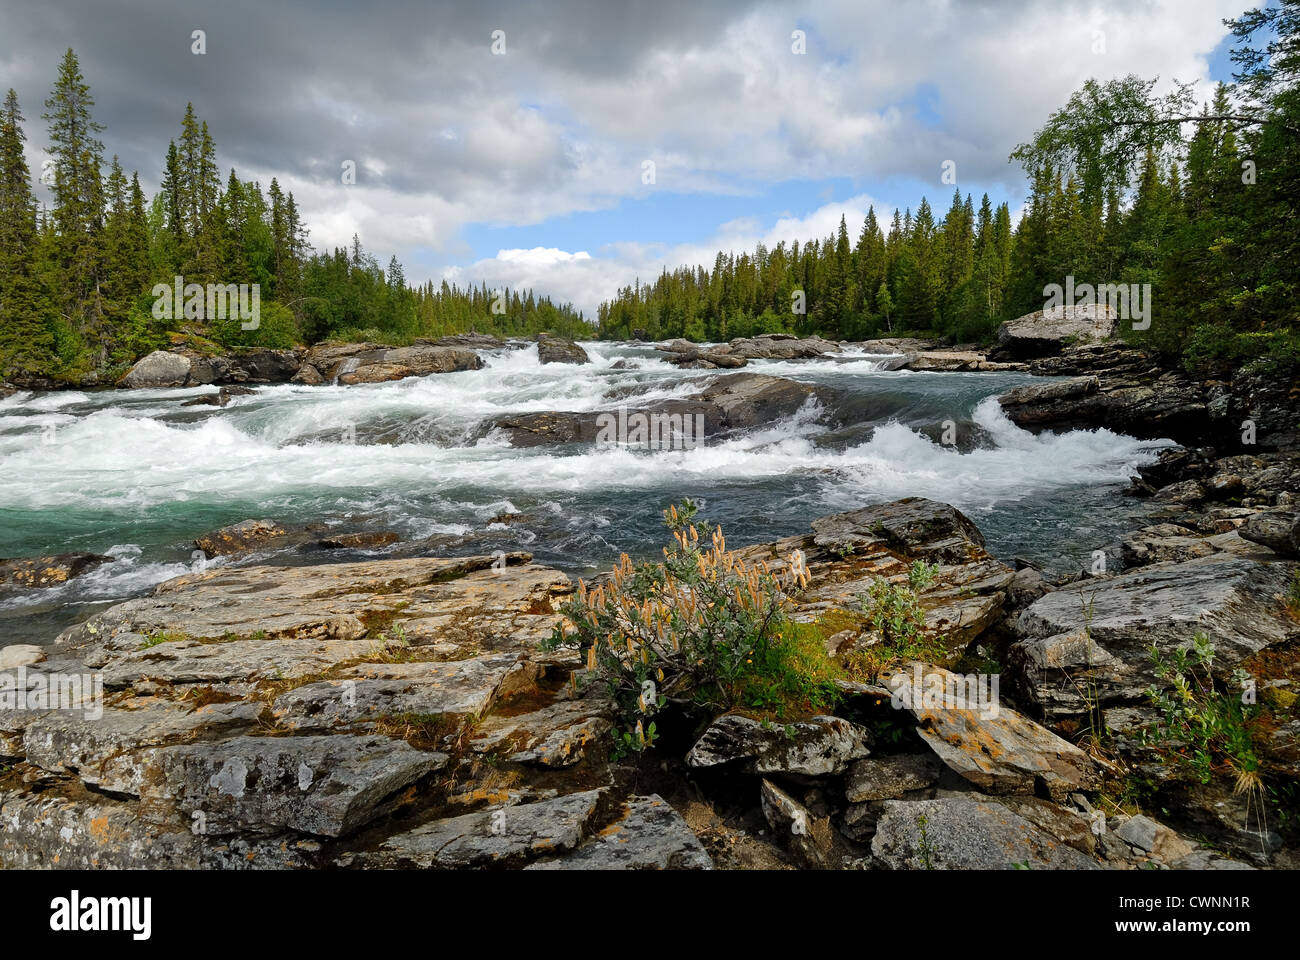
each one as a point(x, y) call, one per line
point(79, 745)
point(648, 834)
point(250, 659)
point(506, 836)
point(992, 746)
point(554, 736)
point(961, 834)
point(327, 786)
point(303, 620)
point(458, 689)
point(822, 746)
point(48, 831)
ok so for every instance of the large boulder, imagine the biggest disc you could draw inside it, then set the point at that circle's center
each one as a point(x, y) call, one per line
point(737, 401)
point(848, 552)
point(1093, 639)
point(989, 744)
point(352, 363)
point(159, 369)
point(560, 350)
point(822, 746)
point(1047, 331)
point(967, 834)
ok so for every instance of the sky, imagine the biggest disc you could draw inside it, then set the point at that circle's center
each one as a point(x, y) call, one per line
point(576, 146)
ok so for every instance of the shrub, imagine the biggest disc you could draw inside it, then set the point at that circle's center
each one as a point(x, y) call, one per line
point(893, 612)
point(1205, 731)
point(703, 625)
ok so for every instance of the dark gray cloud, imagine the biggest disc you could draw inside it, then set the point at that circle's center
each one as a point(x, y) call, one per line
point(444, 133)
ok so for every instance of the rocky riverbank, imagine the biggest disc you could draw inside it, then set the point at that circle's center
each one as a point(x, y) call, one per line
point(400, 713)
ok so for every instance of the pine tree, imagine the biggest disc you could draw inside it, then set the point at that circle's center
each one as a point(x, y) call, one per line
point(25, 341)
point(78, 201)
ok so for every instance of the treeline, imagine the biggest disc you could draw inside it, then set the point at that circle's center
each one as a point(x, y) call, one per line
point(76, 277)
point(951, 276)
point(1126, 188)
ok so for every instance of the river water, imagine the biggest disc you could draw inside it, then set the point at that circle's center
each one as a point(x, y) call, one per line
point(137, 476)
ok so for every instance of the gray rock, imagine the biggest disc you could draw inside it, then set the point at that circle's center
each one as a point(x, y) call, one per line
point(1049, 331)
point(992, 746)
point(159, 369)
point(736, 401)
point(647, 834)
point(295, 621)
point(1233, 599)
point(328, 786)
point(505, 836)
point(1156, 545)
point(967, 834)
point(822, 746)
point(1155, 839)
point(560, 350)
point(554, 736)
point(808, 837)
point(1279, 530)
point(352, 363)
point(889, 778)
point(71, 743)
point(457, 691)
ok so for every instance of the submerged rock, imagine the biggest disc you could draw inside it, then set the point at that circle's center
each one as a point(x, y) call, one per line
point(732, 402)
point(240, 537)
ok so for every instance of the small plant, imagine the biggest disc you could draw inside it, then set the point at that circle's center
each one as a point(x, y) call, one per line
point(1210, 732)
point(1293, 593)
point(166, 636)
point(925, 850)
point(893, 612)
point(702, 625)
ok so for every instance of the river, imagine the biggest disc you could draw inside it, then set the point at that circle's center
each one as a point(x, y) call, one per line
point(137, 476)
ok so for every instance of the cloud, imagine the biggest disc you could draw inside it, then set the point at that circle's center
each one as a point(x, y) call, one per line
point(446, 135)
